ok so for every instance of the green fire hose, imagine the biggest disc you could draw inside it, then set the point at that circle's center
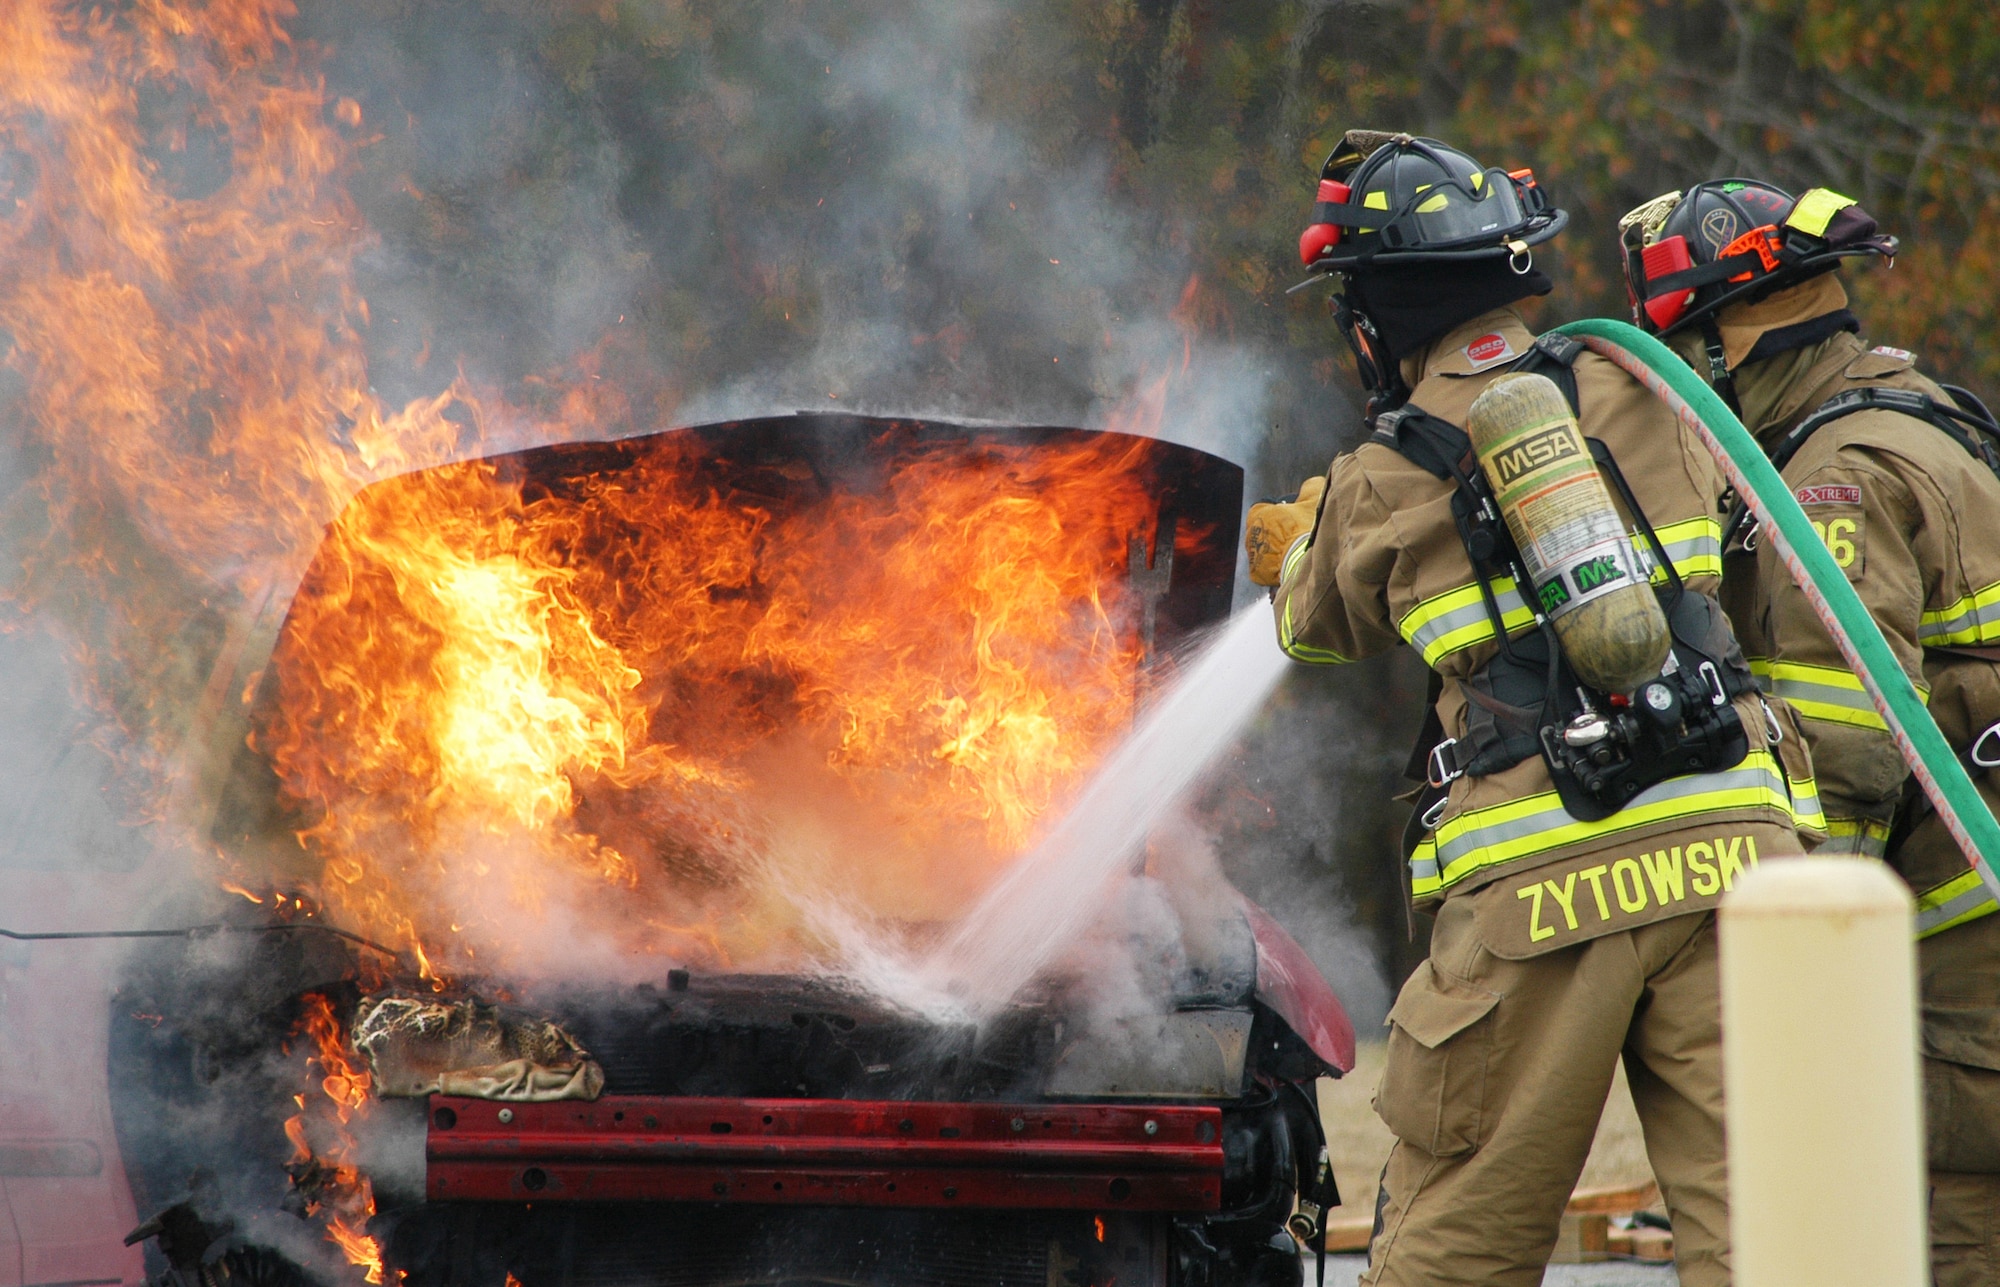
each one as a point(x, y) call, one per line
point(1785, 525)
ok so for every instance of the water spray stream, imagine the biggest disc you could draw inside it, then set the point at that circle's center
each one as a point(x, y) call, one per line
point(1051, 896)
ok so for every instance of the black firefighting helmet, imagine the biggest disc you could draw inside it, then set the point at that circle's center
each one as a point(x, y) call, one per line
point(1689, 255)
point(1388, 199)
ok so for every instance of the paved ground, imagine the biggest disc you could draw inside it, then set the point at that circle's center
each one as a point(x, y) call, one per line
point(1344, 1271)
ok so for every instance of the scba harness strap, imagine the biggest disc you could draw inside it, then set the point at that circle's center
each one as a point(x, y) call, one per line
point(1968, 423)
point(1972, 426)
point(1602, 749)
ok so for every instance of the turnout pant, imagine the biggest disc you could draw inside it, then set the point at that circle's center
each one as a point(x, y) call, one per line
point(1959, 984)
point(1497, 1073)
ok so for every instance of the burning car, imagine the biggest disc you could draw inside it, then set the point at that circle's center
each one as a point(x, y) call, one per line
point(602, 810)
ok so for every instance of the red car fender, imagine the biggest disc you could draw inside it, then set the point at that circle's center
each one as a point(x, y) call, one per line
point(1289, 983)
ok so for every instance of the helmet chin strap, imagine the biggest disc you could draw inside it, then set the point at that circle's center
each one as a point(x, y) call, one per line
point(1719, 377)
point(1381, 374)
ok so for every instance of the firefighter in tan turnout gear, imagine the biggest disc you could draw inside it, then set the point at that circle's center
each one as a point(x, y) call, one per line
point(1903, 484)
point(1571, 844)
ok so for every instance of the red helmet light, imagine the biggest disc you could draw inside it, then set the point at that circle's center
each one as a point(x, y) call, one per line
point(1667, 255)
point(1322, 237)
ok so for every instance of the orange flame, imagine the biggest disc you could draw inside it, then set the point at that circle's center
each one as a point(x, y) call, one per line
point(323, 1146)
point(874, 695)
point(177, 257)
point(672, 688)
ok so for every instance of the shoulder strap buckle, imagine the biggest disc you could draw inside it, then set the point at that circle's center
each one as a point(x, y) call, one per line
point(1446, 765)
point(1559, 348)
point(1386, 427)
point(1981, 758)
point(1437, 446)
point(1907, 401)
point(1555, 355)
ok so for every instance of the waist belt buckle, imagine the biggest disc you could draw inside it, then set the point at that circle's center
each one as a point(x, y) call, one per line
point(1443, 772)
point(1973, 753)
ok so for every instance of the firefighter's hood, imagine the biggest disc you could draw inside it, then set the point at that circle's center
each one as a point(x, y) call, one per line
point(1767, 388)
point(1742, 325)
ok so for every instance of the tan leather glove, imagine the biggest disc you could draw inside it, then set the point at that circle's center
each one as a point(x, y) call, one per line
point(1274, 525)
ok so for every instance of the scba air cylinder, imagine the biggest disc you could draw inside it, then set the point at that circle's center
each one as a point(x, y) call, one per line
point(1587, 576)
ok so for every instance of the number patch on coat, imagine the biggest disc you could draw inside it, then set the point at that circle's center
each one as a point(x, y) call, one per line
point(1841, 535)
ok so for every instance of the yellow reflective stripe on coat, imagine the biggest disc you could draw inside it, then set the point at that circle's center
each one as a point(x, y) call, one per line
point(1695, 547)
point(1457, 619)
point(1473, 841)
point(1287, 637)
point(1973, 620)
point(1962, 898)
point(1288, 641)
point(1863, 836)
point(1830, 694)
point(1297, 551)
point(1805, 804)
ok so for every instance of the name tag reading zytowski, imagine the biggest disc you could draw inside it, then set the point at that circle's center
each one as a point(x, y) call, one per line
point(1550, 907)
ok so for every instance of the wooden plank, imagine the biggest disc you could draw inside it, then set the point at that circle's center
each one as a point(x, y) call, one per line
point(1349, 1233)
point(1346, 1234)
point(1655, 1246)
point(1622, 1200)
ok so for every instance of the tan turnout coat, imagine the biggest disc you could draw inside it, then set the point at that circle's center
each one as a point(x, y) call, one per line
point(1384, 564)
point(1914, 520)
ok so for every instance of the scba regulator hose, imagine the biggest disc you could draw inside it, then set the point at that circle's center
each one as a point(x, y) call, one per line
point(1784, 524)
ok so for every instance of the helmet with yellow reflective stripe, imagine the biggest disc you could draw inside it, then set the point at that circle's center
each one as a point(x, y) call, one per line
point(1688, 255)
point(1397, 199)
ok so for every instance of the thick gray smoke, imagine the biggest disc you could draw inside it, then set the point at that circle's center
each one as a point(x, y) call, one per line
point(75, 852)
point(888, 206)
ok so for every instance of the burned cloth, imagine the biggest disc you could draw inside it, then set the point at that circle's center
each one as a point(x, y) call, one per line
point(417, 1047)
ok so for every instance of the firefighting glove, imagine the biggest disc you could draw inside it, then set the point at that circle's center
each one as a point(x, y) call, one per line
point(1274, 525)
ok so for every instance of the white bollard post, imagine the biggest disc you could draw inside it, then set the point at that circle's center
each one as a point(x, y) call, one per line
point(1819, 1058)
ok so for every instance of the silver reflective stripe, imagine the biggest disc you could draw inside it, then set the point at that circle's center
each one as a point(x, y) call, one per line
point(1932, 919)
point(1855, 842)
point(1973, 623)
point(1805, 805)
point(1424, 636)
point(1499, 833)
point(1694, 547)
point(1800, 690)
